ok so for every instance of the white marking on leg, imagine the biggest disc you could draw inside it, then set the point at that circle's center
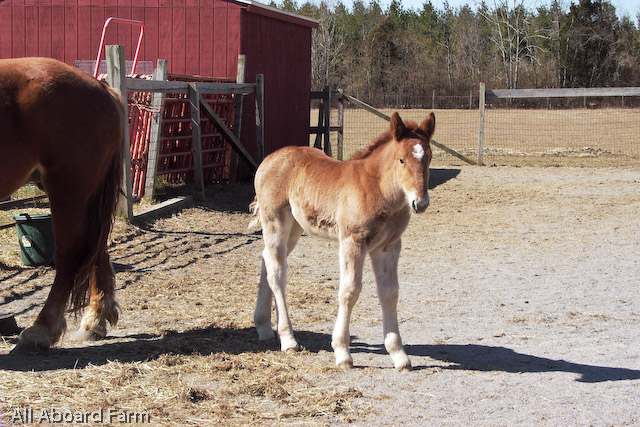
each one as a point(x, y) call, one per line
point(351, 259)
point(385, 268)
point(276, 236)
point(262, 314)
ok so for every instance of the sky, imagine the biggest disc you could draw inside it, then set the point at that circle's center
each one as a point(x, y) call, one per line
point(623, 7)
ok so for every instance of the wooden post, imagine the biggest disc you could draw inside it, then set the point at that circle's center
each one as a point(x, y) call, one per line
point(340, 125)
point(318, 143)
point(327, 123)
point(194, 104)
point(260, 116)
point(157, 109)
point(116, 78)
point(237, 117)
point(481, 102)
point(433, 99)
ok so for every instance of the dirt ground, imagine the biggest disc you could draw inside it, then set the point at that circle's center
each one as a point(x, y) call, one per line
point(519, 305)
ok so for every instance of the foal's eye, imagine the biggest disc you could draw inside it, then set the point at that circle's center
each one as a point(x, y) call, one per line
point(402, 162)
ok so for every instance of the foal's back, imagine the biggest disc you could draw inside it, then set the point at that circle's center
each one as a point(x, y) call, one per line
point(321, 193)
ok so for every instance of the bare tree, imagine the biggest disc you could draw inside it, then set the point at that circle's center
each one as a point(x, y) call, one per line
point(327, 45)
point(513, 37)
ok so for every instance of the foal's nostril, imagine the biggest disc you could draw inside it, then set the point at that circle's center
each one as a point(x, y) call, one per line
point(420, 205)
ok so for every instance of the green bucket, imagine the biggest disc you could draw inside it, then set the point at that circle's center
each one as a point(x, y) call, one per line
point(35, 236)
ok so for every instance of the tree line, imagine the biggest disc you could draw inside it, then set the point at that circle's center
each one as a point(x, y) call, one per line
point(385, 55)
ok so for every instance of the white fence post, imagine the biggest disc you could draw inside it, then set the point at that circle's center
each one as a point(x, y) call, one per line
point(116, 78)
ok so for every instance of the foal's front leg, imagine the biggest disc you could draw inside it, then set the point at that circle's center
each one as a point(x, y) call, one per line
point(352, 254)
point(385, 268)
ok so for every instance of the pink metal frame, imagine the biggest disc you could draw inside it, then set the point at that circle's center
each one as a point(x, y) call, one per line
point(104, 31)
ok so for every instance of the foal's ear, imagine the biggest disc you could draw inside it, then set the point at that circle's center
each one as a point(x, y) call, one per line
point(397, 126)
point(428, 125)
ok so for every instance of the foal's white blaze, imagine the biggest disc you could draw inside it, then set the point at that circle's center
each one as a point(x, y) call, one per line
point(418, 151)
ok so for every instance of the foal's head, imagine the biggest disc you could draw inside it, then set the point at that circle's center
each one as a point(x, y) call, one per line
point(412, 158)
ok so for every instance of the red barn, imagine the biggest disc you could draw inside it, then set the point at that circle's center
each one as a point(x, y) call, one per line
point(197, 37)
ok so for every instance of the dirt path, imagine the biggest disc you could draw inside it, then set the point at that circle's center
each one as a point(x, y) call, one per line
point(519, 304)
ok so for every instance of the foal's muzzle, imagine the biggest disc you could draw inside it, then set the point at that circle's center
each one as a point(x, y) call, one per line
point(420, 205)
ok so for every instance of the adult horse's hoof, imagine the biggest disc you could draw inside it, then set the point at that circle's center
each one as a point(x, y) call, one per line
point(33, 340)
point(28, 348)
point(86, 335)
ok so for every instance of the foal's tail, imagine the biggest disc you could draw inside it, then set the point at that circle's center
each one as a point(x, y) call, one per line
point(254, 208)
point(99, 214)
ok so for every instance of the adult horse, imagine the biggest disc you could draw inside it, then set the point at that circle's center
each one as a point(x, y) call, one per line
point(64, 127)
point(364, 202)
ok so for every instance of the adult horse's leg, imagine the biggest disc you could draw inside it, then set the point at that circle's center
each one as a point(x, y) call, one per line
point(276, 235)
point(262, 314)
point(352, 254)
point(102, 303)
point(385, 268)
point(68, 225)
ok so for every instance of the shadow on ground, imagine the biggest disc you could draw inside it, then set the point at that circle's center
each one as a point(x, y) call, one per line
point(146, 347)
point(472, 357)
point(440, 176)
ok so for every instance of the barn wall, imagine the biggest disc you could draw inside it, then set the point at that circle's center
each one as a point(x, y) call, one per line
point(280, 50)
point(196, 36)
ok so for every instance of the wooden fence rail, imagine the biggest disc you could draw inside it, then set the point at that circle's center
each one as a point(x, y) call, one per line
point(116, 78)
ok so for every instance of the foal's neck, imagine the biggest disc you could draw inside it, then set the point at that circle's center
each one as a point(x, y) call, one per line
point(381, 165)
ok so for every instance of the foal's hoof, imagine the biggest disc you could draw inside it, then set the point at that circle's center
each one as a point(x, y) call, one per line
point(347, 364)
point(292, 350)
point(404, 366)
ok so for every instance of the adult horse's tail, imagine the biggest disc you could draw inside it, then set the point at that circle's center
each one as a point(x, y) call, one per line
point(100, 212)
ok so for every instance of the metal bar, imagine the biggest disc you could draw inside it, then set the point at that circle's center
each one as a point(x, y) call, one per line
point(101, 45)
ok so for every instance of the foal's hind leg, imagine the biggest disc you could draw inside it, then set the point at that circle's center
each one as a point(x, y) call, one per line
point(385, 268)
point(102, 307)
point(280, 236)
point(262, 314)
point(352, 254)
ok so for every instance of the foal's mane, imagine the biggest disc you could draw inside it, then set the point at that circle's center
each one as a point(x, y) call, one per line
point(381, 140)
point(378, 142)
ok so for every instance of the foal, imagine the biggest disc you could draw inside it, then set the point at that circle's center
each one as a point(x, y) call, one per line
point(364, 202)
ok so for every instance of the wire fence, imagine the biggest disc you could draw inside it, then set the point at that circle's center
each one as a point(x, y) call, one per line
point(563, 131)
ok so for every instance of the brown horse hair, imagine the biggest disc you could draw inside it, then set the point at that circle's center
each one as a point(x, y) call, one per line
point(101, 209)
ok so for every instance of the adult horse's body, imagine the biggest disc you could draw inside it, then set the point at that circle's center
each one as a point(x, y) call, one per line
point(364, 202)
point(65, 127)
